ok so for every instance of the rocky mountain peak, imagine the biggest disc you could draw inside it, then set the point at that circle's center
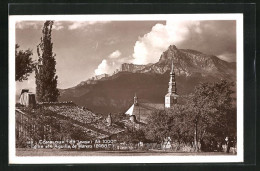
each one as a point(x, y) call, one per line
point(172, 47)
point(169, 54)
point(131, 67)
point(188, 62)
point(114, 93)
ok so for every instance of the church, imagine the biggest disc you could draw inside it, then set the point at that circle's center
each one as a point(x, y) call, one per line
point(171, 96)
point(138, 112)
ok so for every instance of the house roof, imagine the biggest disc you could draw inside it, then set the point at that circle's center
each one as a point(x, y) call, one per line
point(95, 126)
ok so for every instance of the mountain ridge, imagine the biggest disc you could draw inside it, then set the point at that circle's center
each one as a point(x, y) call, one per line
point(150, 82)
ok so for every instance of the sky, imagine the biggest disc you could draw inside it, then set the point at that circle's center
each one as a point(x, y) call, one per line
point(87, 48)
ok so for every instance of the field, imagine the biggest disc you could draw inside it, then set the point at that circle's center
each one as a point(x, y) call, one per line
point(57, 152)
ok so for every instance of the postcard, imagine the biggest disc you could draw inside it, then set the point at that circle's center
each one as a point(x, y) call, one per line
point(150, 88)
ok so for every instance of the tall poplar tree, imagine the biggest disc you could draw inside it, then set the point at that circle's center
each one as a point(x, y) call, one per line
point(46, 78)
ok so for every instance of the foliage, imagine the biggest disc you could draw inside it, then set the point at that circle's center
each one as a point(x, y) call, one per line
point(24, 64)
point(132, 136)
point(77, 133)
point(44, 124)
point(21, 142)
point(179, 129)
point(168, 123)
point(46, 78)
point(211, 110)
point(208, 116)
point(158, 127)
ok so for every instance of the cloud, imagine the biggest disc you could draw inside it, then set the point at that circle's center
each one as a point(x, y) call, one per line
point(57, 25)
point(115, 54)
point(211, 37)
point(28, 24)
point(227, 57)
point(215, 38)
point(112, 63)
point(102, 68)
point(83, 24)
point(149, 47)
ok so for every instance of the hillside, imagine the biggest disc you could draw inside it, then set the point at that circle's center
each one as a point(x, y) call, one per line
point(115, 93)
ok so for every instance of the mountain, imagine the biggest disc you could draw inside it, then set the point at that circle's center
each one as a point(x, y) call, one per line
point(188, 62)
point(150, 82)
point(131, 67)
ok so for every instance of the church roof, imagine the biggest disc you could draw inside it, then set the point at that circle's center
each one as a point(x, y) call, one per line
point(130, 111)
point(143, 110)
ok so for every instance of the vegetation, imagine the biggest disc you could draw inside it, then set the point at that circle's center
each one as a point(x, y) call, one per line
point(44, 125)
point(211, 112)
point(202, 123)
point(169, 123)
point(46, 78)
point(24, 64)
point(133, 136)
point(207, 118)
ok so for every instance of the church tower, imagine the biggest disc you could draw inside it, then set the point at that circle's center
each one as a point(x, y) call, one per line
point(135, 100)
point(171, 96)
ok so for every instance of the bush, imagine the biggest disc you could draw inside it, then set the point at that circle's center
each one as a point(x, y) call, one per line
point(21, 142)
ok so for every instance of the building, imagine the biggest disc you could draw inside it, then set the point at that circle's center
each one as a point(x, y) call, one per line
point(27, 98)
point(139, 111)
point(171, 96)
point(95, 127)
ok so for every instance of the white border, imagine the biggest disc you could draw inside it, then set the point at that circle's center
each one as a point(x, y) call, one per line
point(127, 159)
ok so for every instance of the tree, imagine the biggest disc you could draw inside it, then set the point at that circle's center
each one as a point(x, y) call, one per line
point(209, 114)
point(46, 78)
point(24, 64)
point(132, 136)
point(179, 129)
point(159, 126)
point(211, 111)
point(169, 123)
